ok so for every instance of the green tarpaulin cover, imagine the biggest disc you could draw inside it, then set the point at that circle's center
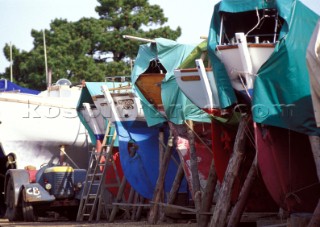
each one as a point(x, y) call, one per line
point(178, 107)
point(281, 89)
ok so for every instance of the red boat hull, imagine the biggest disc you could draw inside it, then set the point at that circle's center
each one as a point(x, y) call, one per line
point(287, 167)
point(202, 146)
point(223, 137)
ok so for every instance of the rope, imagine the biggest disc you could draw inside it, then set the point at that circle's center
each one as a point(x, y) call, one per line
point(293, 193)
point(259, 20)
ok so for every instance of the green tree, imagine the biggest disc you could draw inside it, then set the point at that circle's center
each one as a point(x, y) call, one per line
point(90, 48)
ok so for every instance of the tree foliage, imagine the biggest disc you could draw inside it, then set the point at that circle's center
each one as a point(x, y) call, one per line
point(90, 48)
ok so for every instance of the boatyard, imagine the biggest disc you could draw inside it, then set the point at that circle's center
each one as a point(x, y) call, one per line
point(221, 133)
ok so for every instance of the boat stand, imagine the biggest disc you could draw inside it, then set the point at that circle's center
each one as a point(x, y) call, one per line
point(223, 204)
point(159, 189)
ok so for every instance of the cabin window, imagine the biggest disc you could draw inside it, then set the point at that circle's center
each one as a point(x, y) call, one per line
point(155, 66)
point(265, 24)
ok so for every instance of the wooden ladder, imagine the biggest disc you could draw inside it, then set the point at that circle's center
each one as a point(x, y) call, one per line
point(92, 202)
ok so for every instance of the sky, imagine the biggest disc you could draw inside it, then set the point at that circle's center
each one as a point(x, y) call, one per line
point(19, 17)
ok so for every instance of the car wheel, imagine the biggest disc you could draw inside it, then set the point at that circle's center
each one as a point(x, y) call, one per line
point(13, 212)
point(27, 211)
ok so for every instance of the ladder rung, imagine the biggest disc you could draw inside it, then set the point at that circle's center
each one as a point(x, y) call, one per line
point(90, 196)
point(89, 204)
point(95, 174)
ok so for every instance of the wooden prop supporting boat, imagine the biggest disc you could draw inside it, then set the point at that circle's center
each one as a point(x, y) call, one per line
point(234, 153)
point(203, 151)
point(193, 146)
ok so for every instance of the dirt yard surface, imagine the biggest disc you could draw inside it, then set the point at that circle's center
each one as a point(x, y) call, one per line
point(5, 222)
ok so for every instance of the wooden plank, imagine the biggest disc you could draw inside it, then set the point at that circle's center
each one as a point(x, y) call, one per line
point(223, 204)
point(301, 219)
point(208, 195)
point(139, 210)
point(132, 204)
point(176, 206)
point(118, 199)
point(194, 169)
point(153, 214)
point(244, 194)
point(175, 188)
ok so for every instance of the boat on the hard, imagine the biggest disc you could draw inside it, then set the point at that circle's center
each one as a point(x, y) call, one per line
point(258, 54)
point(44, 127)
point(138, 152)
point(163, 102)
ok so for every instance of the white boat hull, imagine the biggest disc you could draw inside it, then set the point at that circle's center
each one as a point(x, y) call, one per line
point(35, 126)
point(231, 57)
point(199, 85)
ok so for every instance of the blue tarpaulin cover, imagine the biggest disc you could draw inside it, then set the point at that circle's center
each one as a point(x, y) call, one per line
point(6, 85)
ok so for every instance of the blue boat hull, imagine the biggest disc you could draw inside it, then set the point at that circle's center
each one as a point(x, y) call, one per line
point(141, 167)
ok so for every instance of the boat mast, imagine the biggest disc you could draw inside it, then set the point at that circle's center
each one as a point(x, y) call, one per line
point(45, 58)
point(11, 74)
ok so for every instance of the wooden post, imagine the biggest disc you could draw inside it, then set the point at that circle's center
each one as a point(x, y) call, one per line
point(139, 210)
point(175, 188)
point(300, 220)
point(194, 169)
point(118, 199)
point(161, 154)
point(315, 146)
point(208, 196)
point(224, 199)
point(134, 209)
point(153, 215)
point(130, 200)
point(243, 196)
